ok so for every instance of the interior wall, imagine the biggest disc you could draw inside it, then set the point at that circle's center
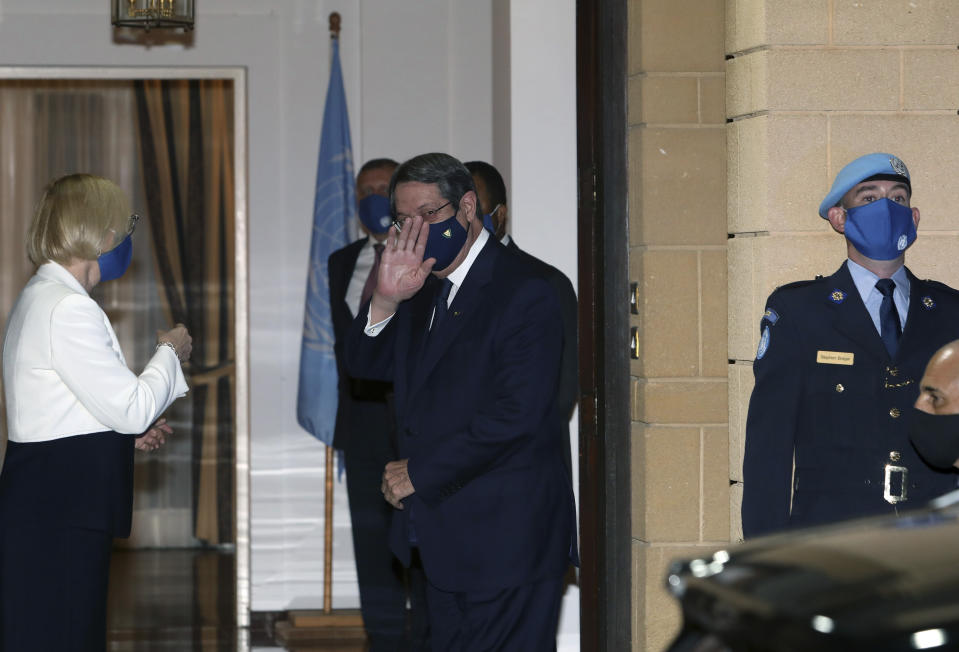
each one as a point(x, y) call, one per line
point(419, 77)
point(284, 45)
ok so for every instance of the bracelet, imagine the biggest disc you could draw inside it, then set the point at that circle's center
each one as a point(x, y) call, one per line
point(172, 348)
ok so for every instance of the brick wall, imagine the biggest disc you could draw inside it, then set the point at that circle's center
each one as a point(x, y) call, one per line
point(677, 203)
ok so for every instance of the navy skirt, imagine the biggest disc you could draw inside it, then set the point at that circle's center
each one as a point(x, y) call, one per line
point(61, 504)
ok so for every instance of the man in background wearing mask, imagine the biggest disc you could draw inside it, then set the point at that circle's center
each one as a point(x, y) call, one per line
point(364, 432)
point(491, 192)
point(935, 423)
point(471, 337)
point(838, 367)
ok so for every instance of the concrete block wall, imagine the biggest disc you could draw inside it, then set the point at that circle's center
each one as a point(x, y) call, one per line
point(810, 85)
point(723, 199)
point(678, 236)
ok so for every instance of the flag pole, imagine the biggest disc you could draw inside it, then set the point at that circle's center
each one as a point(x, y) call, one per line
point(328, 497)
point(305, 627)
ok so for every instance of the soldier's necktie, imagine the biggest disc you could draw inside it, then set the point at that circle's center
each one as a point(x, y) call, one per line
point(439, 308)
point(890, 329)
point(370, 284)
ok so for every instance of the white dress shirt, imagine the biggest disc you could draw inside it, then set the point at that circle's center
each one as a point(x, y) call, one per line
point(64, 373)
point(361, 270)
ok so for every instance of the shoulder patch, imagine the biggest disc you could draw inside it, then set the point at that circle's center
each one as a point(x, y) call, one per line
point(771, 316)
point(763, 344)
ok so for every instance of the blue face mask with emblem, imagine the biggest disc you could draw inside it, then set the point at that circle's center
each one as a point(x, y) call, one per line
point(444, 242)
point(114, 263)
point(375, 213)
point(881, 230)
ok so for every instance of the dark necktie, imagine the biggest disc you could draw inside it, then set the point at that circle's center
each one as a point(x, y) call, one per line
point(370, 284)
point(440, 309)
point(890, 329)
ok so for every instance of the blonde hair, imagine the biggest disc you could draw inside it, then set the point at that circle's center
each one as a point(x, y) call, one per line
point(73, 217)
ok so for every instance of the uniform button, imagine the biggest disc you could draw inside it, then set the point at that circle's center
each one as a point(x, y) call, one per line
point(840, 388)
point(894, 413)
point(868, 481)
point(894, 456)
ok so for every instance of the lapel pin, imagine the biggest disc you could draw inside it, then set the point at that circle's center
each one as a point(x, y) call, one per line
point(928, 303)
point(837, 296)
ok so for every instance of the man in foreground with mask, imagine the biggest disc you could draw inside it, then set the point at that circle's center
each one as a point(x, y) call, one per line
point(471, 337)
point(838, 366)
point(363, 432)
point(935, 423)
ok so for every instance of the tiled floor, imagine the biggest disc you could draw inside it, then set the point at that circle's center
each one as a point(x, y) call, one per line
point(184, 601)
point(172, 600)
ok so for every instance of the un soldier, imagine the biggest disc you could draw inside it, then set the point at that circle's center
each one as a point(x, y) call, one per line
point(838, 366)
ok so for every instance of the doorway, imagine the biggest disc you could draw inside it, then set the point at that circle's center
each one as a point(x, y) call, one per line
point(175, 141)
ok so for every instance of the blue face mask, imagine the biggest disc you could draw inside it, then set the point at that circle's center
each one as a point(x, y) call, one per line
point(444, 242)
point(488, 220)
point(375, 213)
point(114, 263)
point(881, 230)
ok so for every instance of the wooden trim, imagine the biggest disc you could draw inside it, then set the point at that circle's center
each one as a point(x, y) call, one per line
point(606, 577)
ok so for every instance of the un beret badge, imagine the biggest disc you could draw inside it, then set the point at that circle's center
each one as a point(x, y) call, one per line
point(899, 166)
point(837, 296)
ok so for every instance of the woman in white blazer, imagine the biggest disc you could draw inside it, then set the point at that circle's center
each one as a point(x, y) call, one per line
point(75, 413)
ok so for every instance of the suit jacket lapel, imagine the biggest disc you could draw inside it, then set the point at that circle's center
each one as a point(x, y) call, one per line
point(467, 300)
point(851, 317)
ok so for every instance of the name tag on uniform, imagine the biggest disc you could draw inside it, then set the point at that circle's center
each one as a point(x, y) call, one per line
point(834, 357)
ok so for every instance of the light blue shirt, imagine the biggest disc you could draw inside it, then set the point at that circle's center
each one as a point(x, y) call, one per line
point(866, 284)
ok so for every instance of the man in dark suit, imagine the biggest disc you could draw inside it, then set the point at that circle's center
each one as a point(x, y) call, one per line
point(363, 432)
point(473, 350)
point(838, 366)
point(491, 192)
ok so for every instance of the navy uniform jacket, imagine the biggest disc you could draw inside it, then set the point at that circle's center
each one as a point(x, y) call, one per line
point(827, 391)
point(476, 417)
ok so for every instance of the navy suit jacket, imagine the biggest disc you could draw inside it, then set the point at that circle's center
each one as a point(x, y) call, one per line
point(475, 409)
point(362, 405)
point(568, 393)
point(841, 421)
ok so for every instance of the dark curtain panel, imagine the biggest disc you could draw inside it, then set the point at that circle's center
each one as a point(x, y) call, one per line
point(186, 148)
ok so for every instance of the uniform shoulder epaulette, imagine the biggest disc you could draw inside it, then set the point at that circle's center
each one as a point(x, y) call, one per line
point(799, 284)
point(942, 287)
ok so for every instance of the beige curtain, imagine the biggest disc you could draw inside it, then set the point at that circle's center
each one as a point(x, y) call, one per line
point(186, 147)
point(16, 185)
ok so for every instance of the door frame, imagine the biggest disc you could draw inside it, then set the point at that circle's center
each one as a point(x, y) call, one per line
point(241, 277)
point(603, 218)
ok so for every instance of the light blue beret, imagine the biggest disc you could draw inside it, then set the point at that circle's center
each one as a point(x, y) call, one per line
point(871, 165)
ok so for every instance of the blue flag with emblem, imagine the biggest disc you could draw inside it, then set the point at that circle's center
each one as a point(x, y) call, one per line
point(334, 208)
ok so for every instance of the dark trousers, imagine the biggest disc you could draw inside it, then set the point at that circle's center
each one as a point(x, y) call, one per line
point(61, 503)
point(522, 618)
point(53, 589)
point(384, 583)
